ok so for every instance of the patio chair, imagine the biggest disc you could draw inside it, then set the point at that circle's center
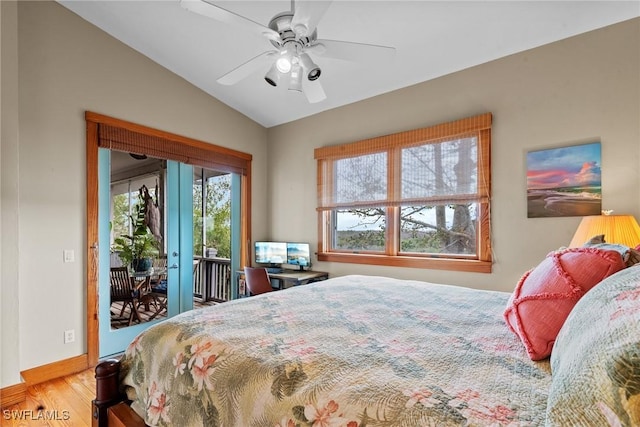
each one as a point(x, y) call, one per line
point(123, 290)
point(159, 270)
point(158, 287)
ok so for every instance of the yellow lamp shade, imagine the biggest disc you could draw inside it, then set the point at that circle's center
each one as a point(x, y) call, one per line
point(618, 229)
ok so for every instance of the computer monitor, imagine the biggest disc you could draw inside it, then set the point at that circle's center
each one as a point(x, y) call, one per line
point(272, 253)
point(299, 254)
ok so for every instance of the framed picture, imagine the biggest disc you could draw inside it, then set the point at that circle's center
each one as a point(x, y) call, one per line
point(564, 181)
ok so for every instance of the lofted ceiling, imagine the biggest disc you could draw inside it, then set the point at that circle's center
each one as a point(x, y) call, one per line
point(431, 38)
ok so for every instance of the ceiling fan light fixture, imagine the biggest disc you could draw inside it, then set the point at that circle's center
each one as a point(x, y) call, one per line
point(283, 64)
point(273, 76)
point(285, 60)
point(311, 68)
point(295, 83)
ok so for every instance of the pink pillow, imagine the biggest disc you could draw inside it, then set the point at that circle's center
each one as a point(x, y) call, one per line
point(545, 295)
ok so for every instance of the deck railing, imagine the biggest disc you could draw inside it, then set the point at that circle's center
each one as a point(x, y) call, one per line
point(212, 279)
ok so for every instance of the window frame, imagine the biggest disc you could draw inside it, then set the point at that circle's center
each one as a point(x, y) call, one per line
point(476, 126)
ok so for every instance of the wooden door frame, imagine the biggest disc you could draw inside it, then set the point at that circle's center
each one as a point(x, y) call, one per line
point(93, 120)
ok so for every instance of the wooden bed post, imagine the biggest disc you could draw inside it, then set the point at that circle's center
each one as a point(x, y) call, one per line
point(107, 391)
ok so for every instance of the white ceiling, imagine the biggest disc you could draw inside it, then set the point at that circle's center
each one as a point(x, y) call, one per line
point(432, 38)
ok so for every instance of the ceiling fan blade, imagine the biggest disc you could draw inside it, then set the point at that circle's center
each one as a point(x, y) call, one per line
point(307, 14)
point(350, 51)
point(314, 92)
point(209, 10)
point(245, 70)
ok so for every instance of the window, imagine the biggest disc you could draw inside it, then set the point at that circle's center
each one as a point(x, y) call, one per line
point(414, 199)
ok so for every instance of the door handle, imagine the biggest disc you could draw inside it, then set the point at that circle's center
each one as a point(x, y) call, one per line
point(174, 266)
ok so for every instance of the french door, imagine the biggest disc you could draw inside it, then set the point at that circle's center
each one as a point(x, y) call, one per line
point(179, 252)
point(106, 133)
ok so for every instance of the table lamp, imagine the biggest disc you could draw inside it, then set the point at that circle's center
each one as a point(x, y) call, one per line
point(617, 229)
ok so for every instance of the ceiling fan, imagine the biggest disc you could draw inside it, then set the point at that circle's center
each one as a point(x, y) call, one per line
point(294, 36)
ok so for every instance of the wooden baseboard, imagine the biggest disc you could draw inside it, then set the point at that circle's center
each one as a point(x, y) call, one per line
point(55, 370)
point(13, 394)
point(17, 393)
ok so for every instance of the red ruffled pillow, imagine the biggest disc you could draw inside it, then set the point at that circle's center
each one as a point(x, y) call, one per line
point(545, 295)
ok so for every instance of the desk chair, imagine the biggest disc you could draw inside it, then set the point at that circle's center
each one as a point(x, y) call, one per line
point(257, 280)
point(123, 290)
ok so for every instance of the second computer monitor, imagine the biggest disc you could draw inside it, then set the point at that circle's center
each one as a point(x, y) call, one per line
point(299, 254)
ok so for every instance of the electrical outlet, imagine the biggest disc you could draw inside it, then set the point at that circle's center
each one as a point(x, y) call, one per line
point(69, 336)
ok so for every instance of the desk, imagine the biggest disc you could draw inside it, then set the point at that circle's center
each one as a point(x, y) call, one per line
point(294, 277)
point(286, 279)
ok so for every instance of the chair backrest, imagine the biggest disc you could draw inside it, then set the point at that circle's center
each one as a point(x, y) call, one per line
point(257, 280)
point(159, 269)
point(121, 283)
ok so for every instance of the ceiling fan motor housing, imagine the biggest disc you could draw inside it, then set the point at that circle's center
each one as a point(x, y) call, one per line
point(281, 23)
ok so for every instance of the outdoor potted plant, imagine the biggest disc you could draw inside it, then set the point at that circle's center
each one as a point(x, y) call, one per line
point(138, 249)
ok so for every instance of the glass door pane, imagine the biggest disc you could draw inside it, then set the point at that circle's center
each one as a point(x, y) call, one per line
point(120, 287)
point(137, 241)
point(211, 236)
point(134, 295)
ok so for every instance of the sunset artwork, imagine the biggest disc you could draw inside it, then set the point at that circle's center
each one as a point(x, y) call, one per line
point(564, 181)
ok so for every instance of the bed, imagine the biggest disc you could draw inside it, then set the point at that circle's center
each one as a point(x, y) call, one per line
point(375, 351)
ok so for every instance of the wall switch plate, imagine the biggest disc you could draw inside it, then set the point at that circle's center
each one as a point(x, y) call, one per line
point(69, 255)
point(69, 336)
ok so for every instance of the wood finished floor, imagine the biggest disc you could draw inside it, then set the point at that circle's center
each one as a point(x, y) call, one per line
point(61, 402)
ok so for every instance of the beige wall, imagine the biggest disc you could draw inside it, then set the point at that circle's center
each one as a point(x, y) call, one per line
point(9, 219)
point(67, 66)
point(582, 89)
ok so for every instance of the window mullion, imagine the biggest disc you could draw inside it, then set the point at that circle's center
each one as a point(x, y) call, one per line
point(393, 230)
point(394, 194)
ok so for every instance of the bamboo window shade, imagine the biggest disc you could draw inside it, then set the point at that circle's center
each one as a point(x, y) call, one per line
point(398, 181)
point(172, 147)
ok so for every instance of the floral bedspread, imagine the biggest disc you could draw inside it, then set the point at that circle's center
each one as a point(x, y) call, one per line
point(350, 351)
